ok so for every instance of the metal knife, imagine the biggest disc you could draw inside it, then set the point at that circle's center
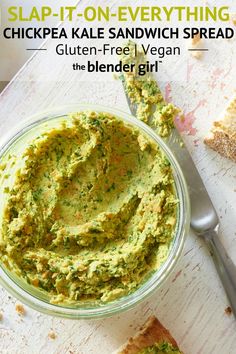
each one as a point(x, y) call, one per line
point(204, 220)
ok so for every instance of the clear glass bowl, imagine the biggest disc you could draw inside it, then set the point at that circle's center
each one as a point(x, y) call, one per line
point(15, 143)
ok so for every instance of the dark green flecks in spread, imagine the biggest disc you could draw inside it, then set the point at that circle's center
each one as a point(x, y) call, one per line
point(91, 213)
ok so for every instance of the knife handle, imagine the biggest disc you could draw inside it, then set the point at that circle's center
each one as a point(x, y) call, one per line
point(225, 267)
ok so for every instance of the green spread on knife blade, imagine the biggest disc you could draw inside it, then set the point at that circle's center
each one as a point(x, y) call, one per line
point(145, 93)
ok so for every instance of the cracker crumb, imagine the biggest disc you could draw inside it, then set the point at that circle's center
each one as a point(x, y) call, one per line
point(228, 311)
point(52, 335)
point(233, 18)
point(196, 39)
point(20, 309)
point(196, 54)
point(222, 137)
point(195, 43)
point(115, 76)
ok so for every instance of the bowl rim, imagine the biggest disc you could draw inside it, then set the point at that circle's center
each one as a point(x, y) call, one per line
point(155, 280)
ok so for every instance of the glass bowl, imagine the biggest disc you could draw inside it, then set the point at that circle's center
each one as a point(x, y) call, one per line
point(15, 143)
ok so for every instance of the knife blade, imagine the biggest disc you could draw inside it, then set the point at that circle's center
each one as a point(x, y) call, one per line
point(204, 220)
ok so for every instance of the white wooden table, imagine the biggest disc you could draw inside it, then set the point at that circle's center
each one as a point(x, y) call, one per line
point(192, 302)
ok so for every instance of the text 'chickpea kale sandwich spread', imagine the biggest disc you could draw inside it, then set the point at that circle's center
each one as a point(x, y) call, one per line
point(92, 211)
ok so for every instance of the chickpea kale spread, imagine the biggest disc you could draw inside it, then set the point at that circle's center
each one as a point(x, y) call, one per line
point(92, 210)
